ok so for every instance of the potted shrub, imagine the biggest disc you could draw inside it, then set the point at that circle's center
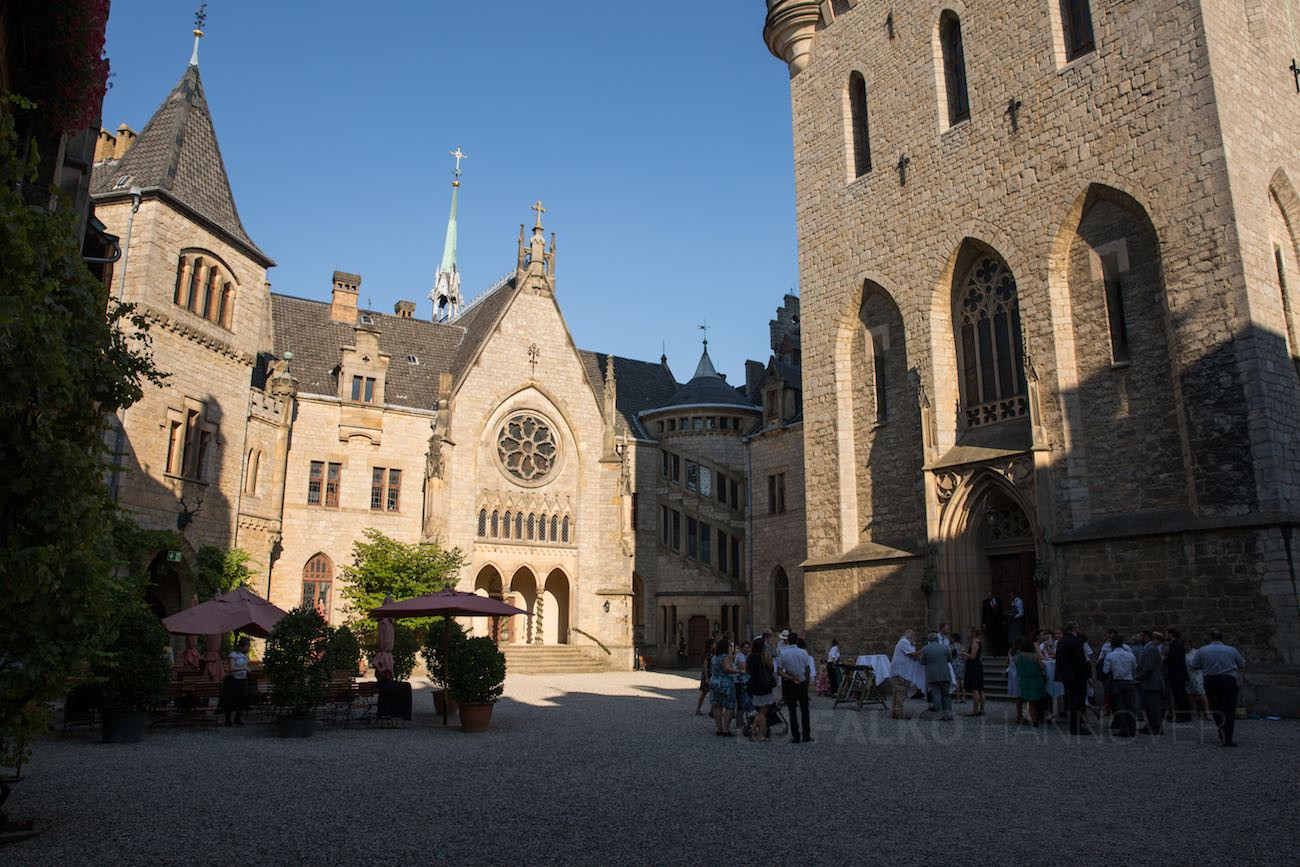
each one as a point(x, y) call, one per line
point(134, 675)
point(297, 665)
point(478, 675)
point(432, 653)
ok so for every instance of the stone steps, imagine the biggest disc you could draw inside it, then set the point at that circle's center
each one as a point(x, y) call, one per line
point(549, 659)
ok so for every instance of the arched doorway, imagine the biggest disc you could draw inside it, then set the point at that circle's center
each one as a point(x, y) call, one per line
point(990, 546)
point(488, 583)
point(780, 599)
point(638, 610)
point(555, 596)
point(523, 589)
point(164, 594)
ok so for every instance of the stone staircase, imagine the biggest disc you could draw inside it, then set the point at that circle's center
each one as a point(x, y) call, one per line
point(995, 678)
point(549, 659)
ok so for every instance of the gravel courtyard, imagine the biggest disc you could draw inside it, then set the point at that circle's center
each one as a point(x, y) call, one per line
point(615, 768)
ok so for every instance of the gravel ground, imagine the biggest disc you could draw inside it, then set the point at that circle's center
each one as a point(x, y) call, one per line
point(615, 768)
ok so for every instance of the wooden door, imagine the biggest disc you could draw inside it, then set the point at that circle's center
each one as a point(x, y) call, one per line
point(697, 638)
point(1015, 571)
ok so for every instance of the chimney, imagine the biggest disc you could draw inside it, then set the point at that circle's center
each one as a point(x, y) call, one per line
point(343, 305)
point(404, 309)
point(125, 138)
point(104, 145)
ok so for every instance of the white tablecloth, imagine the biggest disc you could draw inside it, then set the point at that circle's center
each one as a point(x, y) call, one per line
point(879, 664)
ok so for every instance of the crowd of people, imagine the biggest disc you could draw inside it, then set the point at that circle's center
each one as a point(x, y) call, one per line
point(1154, 677)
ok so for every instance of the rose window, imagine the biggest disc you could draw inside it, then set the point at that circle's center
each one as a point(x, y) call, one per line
point(527, 447)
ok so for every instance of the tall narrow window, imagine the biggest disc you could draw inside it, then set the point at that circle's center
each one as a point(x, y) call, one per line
point(496, 524)
point(505, 526)
point(771, 495)
point(954, 67)
point(735, 557)
point(722, 552)
point(663, 525)
point(706, 536)
point(878, 373)
point(781, 602)
point(858, 124)
point(192, 292)
point(564, 530)
point(370, 389)
point(991, 355)
point(780, 493)
point(677, 468)
point(692, 542)
point(356, 388)
point(519, 525)
point(182, 278)
point(377, 489)
point(692, 476)
point(677, 530)
point(317, 581)
point(1119, 351)
point(555, 526)
point(482, 522)
point(663, 464)
point(532, 526)
point(315, 477)
point(333, 472)
point(636, 514)
point(175, 448)
point(394, 490)
point(1076, 16)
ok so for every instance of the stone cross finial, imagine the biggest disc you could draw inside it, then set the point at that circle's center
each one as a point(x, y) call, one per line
point(459, 156)
point(537, 206)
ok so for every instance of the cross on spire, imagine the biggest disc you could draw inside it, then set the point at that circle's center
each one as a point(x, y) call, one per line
point(537, 206)
point(459, 156)
point(200, 18)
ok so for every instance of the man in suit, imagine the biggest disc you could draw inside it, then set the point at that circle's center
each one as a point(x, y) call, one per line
point(938, 675)
point(991, 618)
point(1176, 676)
point(1072, 670)
point(1151, 682)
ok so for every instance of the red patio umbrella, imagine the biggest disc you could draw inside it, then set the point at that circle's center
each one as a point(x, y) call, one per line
point(383, 660)
point(190, 658)
point(446, 603)
point(238, 610)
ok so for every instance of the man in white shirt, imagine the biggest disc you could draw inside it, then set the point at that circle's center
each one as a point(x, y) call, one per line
point(794, 665)
point(905, 657)
point(1120, 666)
point(1017, 626)
point(833, 667)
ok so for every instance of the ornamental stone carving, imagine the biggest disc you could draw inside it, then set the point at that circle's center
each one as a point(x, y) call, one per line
point(528, 448)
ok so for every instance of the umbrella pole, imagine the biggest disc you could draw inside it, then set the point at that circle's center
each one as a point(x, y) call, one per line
point(446, 671)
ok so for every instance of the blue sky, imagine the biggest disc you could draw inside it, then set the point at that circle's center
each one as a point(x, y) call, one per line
point(657, 134)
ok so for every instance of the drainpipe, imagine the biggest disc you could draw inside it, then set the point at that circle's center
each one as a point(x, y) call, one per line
point(119, 437)
point(749, 529)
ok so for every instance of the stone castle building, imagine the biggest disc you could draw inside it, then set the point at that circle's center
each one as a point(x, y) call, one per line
point(1048, 258)
point(613, 503)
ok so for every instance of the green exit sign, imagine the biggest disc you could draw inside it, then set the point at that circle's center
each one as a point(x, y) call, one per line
point(173, 556)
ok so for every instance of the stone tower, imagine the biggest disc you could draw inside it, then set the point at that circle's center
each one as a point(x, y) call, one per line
point(1047, 260)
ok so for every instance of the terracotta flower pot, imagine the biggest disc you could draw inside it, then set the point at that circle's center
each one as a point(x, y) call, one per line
point(475, 716)
point(439, 698)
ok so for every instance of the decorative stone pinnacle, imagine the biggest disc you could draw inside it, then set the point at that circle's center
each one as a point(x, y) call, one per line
point(790, 29)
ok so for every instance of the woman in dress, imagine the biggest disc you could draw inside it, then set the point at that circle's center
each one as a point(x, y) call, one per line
point(740, 663)
point(974, 673)
point(704, 678)
point(723, 686)
point(1196, 687)
point(762, 680)
point(1031, 674)
point(958, 653)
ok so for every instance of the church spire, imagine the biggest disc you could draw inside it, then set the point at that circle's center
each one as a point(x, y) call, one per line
point(446, 288)
point(705, 367)
point(200, 17)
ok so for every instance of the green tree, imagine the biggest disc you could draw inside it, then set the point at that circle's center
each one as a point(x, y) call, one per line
point(218, 570)
point(78, 357)
point(381, 565)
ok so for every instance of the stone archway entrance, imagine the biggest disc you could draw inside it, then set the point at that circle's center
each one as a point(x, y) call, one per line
point(989, 544)
point(523, 594)
point(555, 604)
point(488, 583)
point(165, 593)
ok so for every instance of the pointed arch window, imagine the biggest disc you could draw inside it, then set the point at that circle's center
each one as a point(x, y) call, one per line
point(564, 530)
point(554, 526)
point(317, 582)
point(954, 67)
point(781, 599)
point(204, 288)
point(859, 132)
point(482, 522)
point(505, 526)
point(989, 344)
point(496, 524)
point(519, 525)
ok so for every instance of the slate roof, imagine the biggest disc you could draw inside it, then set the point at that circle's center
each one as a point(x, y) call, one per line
point(177, 154)
point(707, 388)
point(305, 328)
point(641, 385)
